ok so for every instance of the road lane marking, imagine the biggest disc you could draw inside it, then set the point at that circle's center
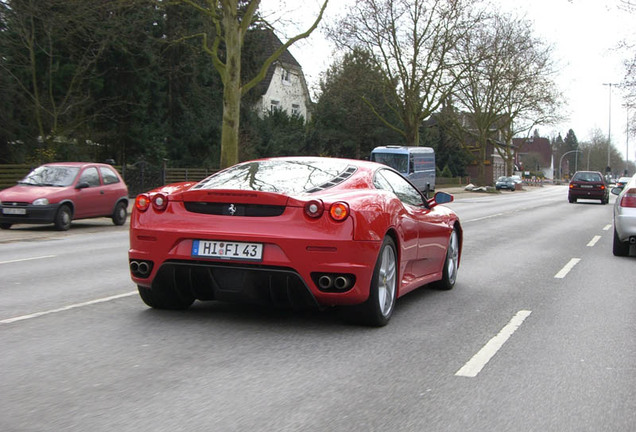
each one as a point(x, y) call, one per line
point(27, 259)
point(566, 269)
point(479, 360)
point(485, 217)
point(66, 308)
point(593, 241)
point(607, 227)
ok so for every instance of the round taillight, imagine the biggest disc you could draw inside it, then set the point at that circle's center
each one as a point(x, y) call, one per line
point(160, 202)
point(339, 211)
point(314, 209)
point(142, 202)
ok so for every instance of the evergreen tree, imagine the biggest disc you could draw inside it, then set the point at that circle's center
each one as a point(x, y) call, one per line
point(344, 124)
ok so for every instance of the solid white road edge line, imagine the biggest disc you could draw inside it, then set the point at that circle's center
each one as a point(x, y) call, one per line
point(593, 241)
point(66, 308)
point(27, 259)
point(566, 269)
point(479, 360)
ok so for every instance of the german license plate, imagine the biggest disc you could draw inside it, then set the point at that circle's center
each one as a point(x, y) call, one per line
point(14, 211)
point(228, 250)
point(587, 186)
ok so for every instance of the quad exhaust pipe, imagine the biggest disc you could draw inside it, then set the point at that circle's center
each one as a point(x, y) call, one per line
point(140, 269)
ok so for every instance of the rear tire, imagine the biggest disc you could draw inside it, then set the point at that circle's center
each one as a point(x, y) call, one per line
point(63, 218)
point(619, 248)
point(164, 299)
point(378, 308)
point(451, 264)
point(5, 226)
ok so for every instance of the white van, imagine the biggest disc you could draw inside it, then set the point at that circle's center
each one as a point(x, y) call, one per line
point(417, 164)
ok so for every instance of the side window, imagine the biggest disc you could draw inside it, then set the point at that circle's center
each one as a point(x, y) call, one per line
point(402, 188)
point(90, 176)
point(108, 176)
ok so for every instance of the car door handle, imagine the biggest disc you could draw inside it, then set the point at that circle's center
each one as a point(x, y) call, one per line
point(101, 192)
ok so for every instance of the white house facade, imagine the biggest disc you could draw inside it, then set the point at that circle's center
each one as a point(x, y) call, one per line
point(284, 87)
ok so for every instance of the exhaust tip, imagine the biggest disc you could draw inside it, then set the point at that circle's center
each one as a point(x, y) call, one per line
point(140, 269)
point(341, 283)
point(325, 282)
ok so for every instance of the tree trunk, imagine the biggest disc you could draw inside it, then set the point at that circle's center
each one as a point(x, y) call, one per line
point(231, 89)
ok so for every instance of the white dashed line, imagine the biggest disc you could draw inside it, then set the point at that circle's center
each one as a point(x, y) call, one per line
point(27, 259)
point(593, 241)
point(566, 269)
point(607, 227)
point(479, 360)
point(66, 308)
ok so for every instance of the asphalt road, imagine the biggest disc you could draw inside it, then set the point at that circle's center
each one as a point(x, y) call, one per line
point(537, 335)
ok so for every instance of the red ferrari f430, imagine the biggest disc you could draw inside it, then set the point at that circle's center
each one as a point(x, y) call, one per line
point(294, 232)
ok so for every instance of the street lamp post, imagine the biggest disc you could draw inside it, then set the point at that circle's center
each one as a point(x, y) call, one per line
point(609, 127)
point(561, 162)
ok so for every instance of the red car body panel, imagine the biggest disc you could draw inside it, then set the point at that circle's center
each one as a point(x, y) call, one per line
point(296, 242)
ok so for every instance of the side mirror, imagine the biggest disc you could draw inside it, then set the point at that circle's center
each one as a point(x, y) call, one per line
point(617, 190)
point(440, 198)
point(82, 185)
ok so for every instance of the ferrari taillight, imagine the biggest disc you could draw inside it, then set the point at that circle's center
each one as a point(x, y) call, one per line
point(629, 198)
point(160, 202)
point(314, 209)
point(339, 211)
point(142, 202)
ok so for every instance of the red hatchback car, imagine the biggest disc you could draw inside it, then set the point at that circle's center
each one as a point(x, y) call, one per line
point(588, 185)
point(294, 232)
point(61, 192)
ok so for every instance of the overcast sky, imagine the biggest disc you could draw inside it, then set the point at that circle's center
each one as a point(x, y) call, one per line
point(585, 35)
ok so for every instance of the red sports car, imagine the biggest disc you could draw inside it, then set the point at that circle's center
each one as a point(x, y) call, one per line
point(302, 231)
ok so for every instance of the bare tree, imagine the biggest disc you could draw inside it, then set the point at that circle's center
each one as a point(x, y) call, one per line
point(413, 42)
point(231, 19)
point(50, 54)
point(506, 87)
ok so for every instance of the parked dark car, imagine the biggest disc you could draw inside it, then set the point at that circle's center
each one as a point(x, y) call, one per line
point(61, 192)
point(505, 183)
point(588, 185)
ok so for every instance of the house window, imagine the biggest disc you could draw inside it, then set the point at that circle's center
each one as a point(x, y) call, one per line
point(295, 109)
point(285, 76)
point(274, 105)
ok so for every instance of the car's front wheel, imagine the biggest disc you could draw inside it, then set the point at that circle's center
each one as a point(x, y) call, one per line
point(619, 248)
point(63, 218)
point(120, 213)
point(378, 308)
point(451, 264)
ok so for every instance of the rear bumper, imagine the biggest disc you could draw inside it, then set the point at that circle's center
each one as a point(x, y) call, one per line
point(287, 275)
point(588, 194)
point(625, 224)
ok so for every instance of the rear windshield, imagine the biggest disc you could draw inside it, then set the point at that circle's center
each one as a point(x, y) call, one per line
point(287, 176)
point(587, 177)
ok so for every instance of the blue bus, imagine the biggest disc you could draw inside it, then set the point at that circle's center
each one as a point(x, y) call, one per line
point(417, 164)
